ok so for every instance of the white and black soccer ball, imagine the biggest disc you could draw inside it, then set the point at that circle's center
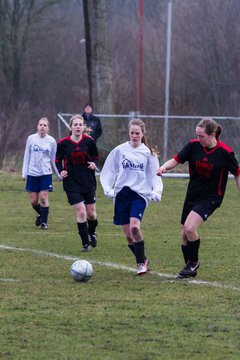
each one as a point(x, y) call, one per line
point(81, 270)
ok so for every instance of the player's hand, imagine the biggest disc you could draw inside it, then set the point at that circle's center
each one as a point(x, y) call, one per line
point(156, 197)
point(63, 174)
point(161, 170)
point(91, 165)
point(109, 193)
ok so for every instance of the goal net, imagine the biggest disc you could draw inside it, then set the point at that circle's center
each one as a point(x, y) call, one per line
point(167, 135)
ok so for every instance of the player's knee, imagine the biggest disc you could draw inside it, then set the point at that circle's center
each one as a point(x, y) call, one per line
point(188, 230)
point(184, 237)
point(135, 230)
point(81, 216)
point(92, 216)
point(44, 202)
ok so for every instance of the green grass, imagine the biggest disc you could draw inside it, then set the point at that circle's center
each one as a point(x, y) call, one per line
point(116, 315)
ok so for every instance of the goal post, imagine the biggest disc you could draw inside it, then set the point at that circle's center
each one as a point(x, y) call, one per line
point(180, 130)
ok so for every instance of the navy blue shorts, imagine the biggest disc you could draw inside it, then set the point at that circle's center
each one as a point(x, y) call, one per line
point(204, 208)
point(77, 197)
point(128, 204)
point(39, 183)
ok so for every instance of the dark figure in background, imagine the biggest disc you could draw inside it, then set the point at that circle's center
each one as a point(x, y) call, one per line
point(91, 121)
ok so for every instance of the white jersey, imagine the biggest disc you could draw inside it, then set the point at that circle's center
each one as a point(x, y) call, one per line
point(39, 155)
point(132, 167)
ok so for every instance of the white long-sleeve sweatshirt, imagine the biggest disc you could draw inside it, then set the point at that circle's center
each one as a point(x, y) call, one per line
point(132, 167)
point(38, 156)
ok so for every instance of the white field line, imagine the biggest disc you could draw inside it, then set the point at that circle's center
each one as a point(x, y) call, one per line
point(9, 280)
point(171, 277)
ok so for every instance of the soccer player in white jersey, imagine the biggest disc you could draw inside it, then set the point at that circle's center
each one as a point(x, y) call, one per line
point(39, 158)
point(129, 176)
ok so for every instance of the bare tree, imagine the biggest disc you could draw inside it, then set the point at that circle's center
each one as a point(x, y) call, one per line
point(204, 57)
point(98, 55)
point(44, 68)
point(16, 21)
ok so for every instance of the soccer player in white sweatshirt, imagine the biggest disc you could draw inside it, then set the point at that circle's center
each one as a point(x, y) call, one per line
point(39, 158)
point(129, 176)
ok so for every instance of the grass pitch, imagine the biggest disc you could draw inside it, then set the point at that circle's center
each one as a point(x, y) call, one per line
point(45, 314)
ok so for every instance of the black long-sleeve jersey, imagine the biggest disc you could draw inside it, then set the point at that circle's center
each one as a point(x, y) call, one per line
point(208, 169)
point(73, 157)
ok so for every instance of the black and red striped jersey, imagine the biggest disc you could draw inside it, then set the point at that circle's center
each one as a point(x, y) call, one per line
point(73, 157)
point(208, 170)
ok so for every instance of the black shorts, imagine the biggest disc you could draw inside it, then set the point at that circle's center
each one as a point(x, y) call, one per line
point(77, 197)
point(204, 208)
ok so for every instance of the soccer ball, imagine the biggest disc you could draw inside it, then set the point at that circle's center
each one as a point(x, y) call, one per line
point(81, 270)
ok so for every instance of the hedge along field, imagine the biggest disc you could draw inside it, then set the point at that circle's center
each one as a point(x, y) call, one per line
point(116, 315)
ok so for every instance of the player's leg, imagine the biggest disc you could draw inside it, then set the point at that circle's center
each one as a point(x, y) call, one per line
point(45, 186)
point(81, 217)
point(90, 203)
point(92, 223)
point(32, 187)
point(184, 246)
point(139, 245)
point(33, 199)
point(129, 237)
point(122, 215)
point(137, 209)
point(77, 201)
point(191, 244)
point(44, 204)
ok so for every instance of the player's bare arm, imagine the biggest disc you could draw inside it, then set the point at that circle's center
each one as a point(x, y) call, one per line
point(237, 178)
point(168, 165)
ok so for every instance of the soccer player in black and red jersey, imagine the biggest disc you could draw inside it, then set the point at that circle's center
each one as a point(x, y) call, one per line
point(76, 162)
point(210, 161)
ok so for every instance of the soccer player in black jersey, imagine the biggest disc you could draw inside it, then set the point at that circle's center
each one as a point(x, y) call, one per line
point(76, 162)
point(210, 161)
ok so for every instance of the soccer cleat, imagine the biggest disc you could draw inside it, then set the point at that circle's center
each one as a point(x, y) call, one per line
point(44, 226)
point(93, 240)
point(146, 262)
point(189, 270)
point(86, 248)
point(38, 220)
point(142, 268)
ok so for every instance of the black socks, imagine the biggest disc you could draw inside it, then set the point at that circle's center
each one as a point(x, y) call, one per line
point(37, 208)
point(44, 214)
point(139, 252)
point(185, 253)
point(92, 224)
point(83, 232)
point(193, 248)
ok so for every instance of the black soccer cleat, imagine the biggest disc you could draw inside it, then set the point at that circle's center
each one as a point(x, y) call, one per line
point(44, 226)
point(86, 248)
point(38, 220)
point(93, 240)
point(189, 270)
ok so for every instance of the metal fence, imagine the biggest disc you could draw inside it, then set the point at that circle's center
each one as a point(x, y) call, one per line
point(169, 134)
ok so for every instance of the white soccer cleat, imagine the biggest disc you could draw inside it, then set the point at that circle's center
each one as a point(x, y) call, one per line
point(142, 268)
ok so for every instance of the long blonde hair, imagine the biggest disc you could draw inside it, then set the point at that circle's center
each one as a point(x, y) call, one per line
point(142, 126)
